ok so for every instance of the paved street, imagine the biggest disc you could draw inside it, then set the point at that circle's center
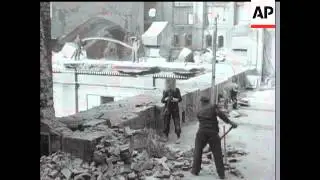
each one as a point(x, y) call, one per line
point(255, 135)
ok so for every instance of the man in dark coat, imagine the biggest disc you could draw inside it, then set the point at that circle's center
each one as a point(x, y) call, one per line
point(234, 94)
point(171, 97)
point(208, 133)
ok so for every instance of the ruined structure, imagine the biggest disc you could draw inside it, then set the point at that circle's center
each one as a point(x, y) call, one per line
point(140, 111)
point(46, 90)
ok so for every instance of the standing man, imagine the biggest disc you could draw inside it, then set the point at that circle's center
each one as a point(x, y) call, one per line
point(208, 132)
point(234, 90)
point(171, 97)
point(78, 51)
point(231, 93)
point(135, 46)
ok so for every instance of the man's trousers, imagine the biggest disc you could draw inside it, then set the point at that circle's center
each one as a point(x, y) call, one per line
point(176, 120)
point(204, 137)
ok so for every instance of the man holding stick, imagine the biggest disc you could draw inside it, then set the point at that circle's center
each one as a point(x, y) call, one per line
point(208, 133)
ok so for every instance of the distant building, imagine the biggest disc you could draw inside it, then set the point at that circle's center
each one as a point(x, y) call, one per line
point(66, 16)
point(234, 32)
point(186, 18)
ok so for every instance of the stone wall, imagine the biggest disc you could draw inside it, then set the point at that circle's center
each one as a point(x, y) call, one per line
point(46, 89)
point(138, 112)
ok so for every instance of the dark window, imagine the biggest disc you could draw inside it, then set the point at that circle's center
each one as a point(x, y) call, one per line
point(106, 99)
point(209, 40)
point(189, 40)
point(220, 42)
point(44, 145)
point(175, 40)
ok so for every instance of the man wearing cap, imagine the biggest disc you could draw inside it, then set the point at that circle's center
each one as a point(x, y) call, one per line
point(208, 133)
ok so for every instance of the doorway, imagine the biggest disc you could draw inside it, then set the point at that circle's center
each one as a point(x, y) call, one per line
point(44, 144)
point(220, 42)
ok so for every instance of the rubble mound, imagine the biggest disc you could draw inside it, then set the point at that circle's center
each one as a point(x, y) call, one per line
point(114, 158)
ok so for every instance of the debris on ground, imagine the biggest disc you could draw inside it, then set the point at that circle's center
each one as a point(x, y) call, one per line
point(234, 114)
point(244, 102)
point(114, 158)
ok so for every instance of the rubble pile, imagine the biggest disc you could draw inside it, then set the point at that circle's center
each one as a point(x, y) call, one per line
point(233, 156)
point(114, 158)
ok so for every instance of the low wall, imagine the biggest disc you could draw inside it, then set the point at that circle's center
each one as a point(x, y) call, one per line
point(138, 112)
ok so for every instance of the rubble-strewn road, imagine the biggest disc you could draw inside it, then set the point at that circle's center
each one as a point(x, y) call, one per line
point(255, 134)
point(250, 152)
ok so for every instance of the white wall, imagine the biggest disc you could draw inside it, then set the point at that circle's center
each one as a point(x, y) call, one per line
point(243, 13)
point(89, 96)
point(242, 42)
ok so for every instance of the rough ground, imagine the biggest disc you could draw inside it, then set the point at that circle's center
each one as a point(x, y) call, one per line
point(114, 158)
point(255, 134)
point(250, 151)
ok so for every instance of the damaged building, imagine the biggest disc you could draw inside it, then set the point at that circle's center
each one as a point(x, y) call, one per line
point(118, 20)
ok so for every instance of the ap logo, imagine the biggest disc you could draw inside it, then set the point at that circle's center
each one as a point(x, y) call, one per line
point(263, 14)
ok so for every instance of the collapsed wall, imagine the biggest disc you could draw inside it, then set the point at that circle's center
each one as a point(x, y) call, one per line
point(138, 112)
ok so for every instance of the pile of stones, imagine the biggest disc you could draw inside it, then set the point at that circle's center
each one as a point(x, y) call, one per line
point(115, 158)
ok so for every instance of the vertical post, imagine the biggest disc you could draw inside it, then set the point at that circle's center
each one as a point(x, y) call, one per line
point(51, 10)
point(225, 146)
point(154, 82)
point(50, 147)
point(203, 21)
point(87, 100)
point(76, 87)
point(214, 52)
point(162, 11)
point(172, 14)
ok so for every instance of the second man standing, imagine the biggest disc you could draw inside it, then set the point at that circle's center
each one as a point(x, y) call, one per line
point(171, 97)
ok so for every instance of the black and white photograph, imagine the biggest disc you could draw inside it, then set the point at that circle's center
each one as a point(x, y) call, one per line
point(156, 90)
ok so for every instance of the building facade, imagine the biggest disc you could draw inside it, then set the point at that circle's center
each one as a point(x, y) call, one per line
point(187, 19)
point(66, 16)
point(193, 24)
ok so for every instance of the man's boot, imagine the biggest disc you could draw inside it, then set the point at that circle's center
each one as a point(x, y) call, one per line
point(222, 175)
point(194, 173)
point(178, 141)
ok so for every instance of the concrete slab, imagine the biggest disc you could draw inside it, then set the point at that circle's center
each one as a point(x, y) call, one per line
point(94, 122)
point(82, 144)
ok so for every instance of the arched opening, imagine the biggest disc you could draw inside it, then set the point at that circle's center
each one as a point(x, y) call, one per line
point(209, 40)
point(175, 40)
point(188, 39)
point(44, 145)
point(220, 41)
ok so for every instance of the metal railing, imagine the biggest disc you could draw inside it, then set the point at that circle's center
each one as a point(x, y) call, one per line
point(86, 72)
point(112, 73)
